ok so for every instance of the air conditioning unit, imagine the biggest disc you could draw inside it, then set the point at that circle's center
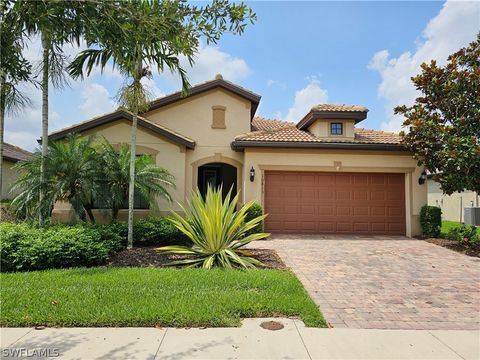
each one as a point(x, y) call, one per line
point(472, 216)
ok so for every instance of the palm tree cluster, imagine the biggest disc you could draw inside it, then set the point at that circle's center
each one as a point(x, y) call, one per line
point(132, 36)
point(87, 175)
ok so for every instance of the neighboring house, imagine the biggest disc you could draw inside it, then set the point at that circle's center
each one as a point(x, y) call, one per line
point(452, 205)
point(322, 175)
point(11, 155)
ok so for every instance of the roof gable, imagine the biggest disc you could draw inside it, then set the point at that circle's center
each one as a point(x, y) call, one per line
point(123, 114)
point(219, 82)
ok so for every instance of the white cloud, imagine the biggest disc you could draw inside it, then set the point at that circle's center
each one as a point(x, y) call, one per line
point(152, 88)
point(96, 101)
point(209, 61)
point(305, 98)
point(454, 27)
point(278, 83)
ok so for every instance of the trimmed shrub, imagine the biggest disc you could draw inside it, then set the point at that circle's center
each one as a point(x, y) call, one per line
point(24, 247)
point(431, 220)
point(152, 231)
point(157, 231)
point(254, 212)
point(467, 235)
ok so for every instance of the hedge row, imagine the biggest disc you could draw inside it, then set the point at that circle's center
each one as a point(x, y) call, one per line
point(24, 247)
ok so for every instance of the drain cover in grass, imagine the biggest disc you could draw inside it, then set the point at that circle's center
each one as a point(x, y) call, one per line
point(272, 325)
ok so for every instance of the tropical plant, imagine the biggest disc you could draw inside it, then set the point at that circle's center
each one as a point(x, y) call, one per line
point(72, 169)
point(218, 231)
point(14, 68)
point(135, 35)
point(444, 122)
point(150, 180)
point(56, 22)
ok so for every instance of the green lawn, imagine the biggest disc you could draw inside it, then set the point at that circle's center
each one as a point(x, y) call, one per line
point(149, 296)
point(447, 225)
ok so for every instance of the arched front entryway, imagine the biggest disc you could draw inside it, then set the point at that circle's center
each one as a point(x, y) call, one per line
point(217, 174)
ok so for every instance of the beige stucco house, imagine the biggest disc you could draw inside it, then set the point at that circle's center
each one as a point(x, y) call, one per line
point(453, 206)
point(324, 174)
point(11, 154)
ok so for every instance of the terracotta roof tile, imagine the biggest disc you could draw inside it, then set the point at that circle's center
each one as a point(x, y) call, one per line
point(259, 123)
point(280, 131)
point(15, 153)
point(339, 107)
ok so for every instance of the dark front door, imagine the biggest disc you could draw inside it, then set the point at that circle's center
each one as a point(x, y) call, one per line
point(215, 175)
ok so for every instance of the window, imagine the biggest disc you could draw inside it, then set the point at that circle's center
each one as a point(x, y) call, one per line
point(336, 129)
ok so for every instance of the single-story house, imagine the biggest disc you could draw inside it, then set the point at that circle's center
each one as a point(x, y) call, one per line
point(11, 154)
point(453, 206)
point(323, 174)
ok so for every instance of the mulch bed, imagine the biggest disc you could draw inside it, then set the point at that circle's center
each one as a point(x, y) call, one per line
point(148, 257)
point(455, 246)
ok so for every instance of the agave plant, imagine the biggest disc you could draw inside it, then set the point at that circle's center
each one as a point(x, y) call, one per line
point(218, 231)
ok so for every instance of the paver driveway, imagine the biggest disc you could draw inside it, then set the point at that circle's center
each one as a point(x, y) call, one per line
point(384, 282)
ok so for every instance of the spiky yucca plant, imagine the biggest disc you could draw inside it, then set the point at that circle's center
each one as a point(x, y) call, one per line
point(218, 231)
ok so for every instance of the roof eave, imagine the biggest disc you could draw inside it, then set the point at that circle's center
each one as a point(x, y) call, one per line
point(198, 89)
point(324, 115)
point(240, 145)
point(117, 115)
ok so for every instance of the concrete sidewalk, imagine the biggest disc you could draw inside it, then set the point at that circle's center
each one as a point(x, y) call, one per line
point(294, 341)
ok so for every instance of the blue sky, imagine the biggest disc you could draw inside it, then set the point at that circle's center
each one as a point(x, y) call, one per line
point(296, 55)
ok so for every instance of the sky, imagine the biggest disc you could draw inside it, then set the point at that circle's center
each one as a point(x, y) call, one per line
point(297, 55)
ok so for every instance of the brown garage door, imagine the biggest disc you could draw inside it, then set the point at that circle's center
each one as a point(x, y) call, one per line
point(318, 202)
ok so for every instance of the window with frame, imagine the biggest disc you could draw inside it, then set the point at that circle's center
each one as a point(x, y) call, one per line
point(336, 128)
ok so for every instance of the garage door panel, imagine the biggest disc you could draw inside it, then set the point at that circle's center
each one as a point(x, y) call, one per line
point(343, 195)
point(307, 202)
point(360, 195)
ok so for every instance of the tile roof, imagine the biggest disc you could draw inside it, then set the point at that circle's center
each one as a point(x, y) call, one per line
point(260, 123)
point(339, 107)
point(269, 130)
point(15, 153)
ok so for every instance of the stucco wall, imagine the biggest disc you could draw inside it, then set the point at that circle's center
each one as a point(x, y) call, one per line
point(192, 117)
point(331, 160)
point(452, 205)
point(9, 176)
point(321, 128)
point(166, 154)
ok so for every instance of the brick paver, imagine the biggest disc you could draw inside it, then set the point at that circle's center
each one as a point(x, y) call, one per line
point(384, 282)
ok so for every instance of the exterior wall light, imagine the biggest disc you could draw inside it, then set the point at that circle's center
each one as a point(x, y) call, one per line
point(252, 174)
point(422, 178)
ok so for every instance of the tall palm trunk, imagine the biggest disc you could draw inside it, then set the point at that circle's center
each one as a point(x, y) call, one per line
point(45, 64)
point(133, 155)
point(2, 125)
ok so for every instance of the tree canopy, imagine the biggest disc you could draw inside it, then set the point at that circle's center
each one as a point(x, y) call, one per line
point(444, 122)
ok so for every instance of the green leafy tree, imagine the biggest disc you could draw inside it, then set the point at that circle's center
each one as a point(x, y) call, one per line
point(14, 68)
point(151, 180)
point(444, 122)
point(56, 22)
point(138, 35)
point(71, 167)
point(218, 231)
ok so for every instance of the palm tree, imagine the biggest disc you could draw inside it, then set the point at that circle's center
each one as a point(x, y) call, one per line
point(14, 68)
point(150, 180)
point(71, 170)
point(56, 24)
point(135, 35)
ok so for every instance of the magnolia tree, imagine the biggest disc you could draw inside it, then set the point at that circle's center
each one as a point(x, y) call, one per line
point(444, 122)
